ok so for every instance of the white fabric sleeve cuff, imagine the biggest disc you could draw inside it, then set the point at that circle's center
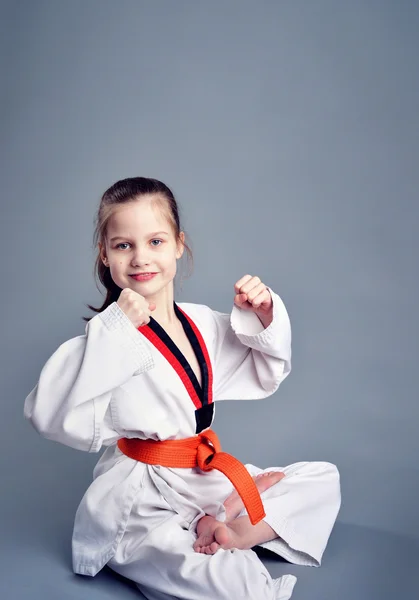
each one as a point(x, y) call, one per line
point(116, 320)
point(275, 340)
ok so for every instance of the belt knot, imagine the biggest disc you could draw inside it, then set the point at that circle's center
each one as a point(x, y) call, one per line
point(208, 447)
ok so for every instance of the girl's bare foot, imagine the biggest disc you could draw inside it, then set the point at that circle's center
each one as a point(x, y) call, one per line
point(212, 533)
point(239, 533)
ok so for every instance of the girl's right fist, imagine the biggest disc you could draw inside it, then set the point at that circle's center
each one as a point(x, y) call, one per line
point(135, 306)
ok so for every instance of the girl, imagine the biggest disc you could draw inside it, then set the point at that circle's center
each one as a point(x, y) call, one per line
point(167, 508)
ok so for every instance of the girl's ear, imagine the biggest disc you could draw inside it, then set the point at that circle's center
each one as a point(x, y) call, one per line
point(180, 245)
point(102, 252)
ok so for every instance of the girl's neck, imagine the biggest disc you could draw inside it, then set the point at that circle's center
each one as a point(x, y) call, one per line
point(164, 313)
point(165, 318)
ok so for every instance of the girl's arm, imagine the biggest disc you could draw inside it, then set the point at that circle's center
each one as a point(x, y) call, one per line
point(69, 402)
point(251, 361)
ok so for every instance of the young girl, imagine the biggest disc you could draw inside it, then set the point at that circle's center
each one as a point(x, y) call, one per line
point(167, 508)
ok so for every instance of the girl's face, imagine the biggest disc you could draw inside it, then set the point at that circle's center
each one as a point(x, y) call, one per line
point(140, 239)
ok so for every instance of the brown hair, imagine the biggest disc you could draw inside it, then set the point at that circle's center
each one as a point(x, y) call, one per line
point(121, 192)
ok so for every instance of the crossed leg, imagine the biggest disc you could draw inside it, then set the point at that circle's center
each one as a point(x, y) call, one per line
point(236, 532)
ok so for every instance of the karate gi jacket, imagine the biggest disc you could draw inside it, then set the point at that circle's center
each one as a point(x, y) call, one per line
point(114, 382)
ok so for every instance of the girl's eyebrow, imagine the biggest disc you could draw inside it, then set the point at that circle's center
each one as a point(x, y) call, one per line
point(120, 237)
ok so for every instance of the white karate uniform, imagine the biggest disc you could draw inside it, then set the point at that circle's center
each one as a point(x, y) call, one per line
point(140, 519)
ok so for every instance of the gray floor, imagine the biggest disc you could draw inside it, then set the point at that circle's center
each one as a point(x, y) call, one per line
point(359, 564)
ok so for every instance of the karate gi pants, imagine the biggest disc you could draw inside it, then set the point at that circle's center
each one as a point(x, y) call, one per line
point(156, 551)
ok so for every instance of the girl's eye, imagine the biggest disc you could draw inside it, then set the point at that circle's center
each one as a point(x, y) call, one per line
point(125, 243)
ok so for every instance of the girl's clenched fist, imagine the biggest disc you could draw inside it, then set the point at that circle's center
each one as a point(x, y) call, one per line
point(252, 294)
point(135, 306)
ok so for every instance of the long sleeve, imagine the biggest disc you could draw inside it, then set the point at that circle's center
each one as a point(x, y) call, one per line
point(70, 400)
point(250, 361)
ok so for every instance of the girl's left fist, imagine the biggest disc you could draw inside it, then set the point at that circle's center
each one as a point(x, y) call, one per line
point(252, 294)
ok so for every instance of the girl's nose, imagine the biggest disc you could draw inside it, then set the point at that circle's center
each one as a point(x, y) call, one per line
point(141, 256)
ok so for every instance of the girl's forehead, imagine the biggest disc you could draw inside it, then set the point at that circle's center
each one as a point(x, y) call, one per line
point(139, 218)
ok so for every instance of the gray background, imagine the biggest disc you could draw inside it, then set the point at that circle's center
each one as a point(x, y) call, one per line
point(288, 131)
